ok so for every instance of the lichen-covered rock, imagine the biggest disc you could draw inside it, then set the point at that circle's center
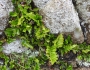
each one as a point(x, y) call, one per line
point(60, 17)
point(83, 8)
point(40, 3)
point(14, 46)
point(5, 7)
point(83, 63)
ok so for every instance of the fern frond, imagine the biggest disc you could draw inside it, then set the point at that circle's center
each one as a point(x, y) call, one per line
point(59, 41)
point(67, 48)
point(51, 54)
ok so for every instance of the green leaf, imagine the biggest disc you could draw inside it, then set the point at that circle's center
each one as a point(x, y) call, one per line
point(69, 67)
point(35, 17)
point(79, 57)
point(31, 15)
point(9, 32)
point(9, 40)
point(68, 40)
point(37, 65)
point(20, 20)
point(51, 54)
point(86, 51)
point(59, 41)
point(26, 43)
point(41, 32)
point(20, 7)
point(13, 14)
point(12, 32)
point(68, 48)
point(13, 22)
point(35, 10)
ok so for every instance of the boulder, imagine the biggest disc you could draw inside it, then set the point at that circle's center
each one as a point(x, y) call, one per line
point(5, 7)
point(83, 8)
point(13, 47)
point(60, 17)
point(16, 47)
point(83, 63)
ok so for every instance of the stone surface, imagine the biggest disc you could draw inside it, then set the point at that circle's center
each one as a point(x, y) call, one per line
point(83, 8)
point(16, 47)
point(60, 17)
point(5, 7)
point(40, 3)
point(82, 63)
point(12, 47)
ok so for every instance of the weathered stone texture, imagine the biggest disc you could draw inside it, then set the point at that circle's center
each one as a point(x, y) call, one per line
point(14, 46)
point(83, 8)
point(5, 7)
point(40, 3)
point(60, 17)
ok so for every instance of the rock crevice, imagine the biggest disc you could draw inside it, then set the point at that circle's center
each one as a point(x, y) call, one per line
point(83, 8)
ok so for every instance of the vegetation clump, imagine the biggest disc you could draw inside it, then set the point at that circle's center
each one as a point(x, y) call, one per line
point(26, 24)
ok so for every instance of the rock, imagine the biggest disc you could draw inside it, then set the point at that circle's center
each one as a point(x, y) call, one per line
point(16, 47)
point(82, 63)
point(60, 17)
point(40, 3)
point(5, 7)
point(12, 47)
point(83, 8)
point(1, 62)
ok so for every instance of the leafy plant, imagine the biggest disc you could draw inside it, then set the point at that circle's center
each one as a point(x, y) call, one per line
point(22, 62)
point(51, 50)
point(51, 54)
point(64, 65)
point(59, 41)
point(5, 60)
point(26, 24)
point(84, 51)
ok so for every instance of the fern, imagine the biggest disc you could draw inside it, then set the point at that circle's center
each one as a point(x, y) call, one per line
point(51, 54)
point(51, 51)
point(59, 41)
point(37, 65)
point(86, 49)
point(67, 48)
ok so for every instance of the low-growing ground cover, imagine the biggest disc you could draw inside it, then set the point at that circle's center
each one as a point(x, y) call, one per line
point(55, 51)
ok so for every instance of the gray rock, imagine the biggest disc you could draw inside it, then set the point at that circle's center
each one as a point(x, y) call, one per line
point(82, 63)
point(5, 7)
point(1, 62)
point(60, 17)
point(83, 8)
point(40, 3)
point(16, 47)
point(12, 47)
